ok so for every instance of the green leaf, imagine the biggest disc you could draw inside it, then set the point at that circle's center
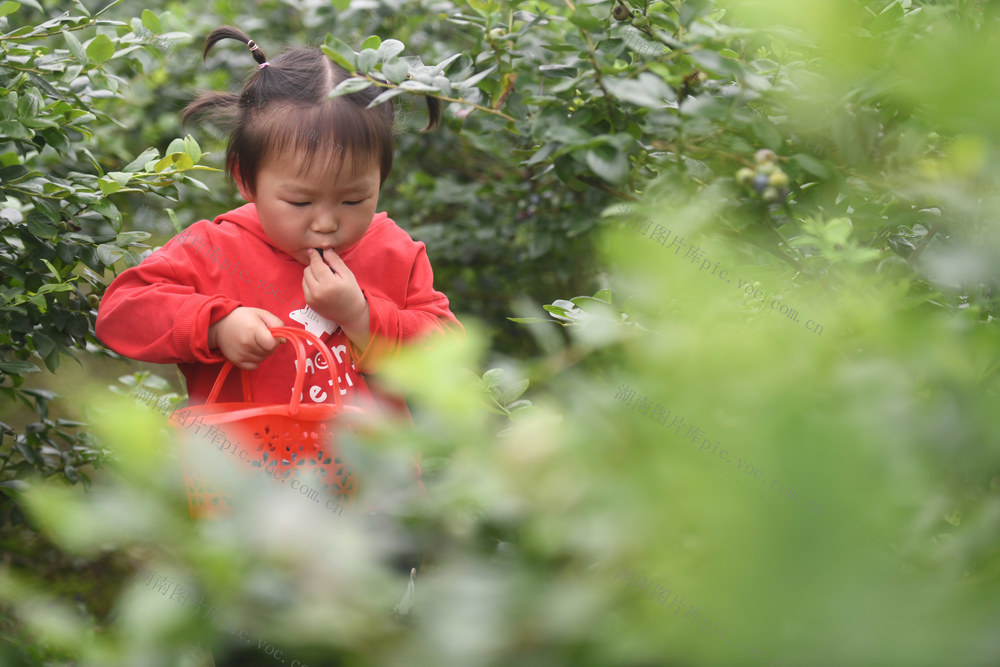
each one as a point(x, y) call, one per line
point(366, 60)
point(100, 49)
point(386, 95)
point(41, 227)
point(138, 163)
point(348, 86)
point(473, 80)
point(484, 7)
point(583, 18)
point(441, 66)
point(603, 295)
point(54, 287)
point(151, 21)
point(390, 48)
point(120, 177)
point(513, 392)
point(42, 343)
point(75, 47)
point(108, 254)
point(609, 163)
point(108, 187)
point(372, 42)
point(18, 367)
point(811, 165)
point(647, 90)
point(192, 148)
point(180, 161)
point(418, 87)
point(340, 52)
point(9, 7)
point(125, 239)
point(341, 5)
point(337, 58)
point(492, 377)
point(555, 310)
point(175, 146)
point(29, 453)
point(51, 268)
point(395, 70)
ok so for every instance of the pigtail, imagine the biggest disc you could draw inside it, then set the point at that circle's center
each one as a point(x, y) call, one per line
point(433, 113)
point(222, 106)
point(229, 32)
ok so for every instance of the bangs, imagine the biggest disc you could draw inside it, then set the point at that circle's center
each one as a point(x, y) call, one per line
point(324, 135)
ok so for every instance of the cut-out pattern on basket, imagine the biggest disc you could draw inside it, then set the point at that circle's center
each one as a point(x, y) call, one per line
point(307, 450)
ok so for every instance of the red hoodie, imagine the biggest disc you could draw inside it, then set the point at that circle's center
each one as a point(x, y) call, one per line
point(160, 311)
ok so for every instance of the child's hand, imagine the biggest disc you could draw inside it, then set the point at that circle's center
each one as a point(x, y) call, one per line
point(243, 338)
point(332, 291)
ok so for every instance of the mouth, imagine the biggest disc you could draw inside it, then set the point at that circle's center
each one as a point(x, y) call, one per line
point(322, 256)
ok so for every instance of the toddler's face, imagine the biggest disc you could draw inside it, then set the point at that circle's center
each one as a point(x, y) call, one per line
point(321, 208)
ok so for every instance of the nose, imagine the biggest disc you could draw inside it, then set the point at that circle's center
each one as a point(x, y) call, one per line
point(325, 223)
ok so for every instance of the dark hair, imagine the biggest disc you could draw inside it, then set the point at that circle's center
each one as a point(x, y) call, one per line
point(284, 105)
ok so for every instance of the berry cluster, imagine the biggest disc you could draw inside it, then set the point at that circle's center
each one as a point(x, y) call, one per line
point(770, 182)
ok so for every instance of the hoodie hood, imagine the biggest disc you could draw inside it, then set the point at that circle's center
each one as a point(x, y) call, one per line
point(246, 217)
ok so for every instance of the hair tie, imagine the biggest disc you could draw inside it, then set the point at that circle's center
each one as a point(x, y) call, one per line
point(263, 65)
point(253, 45)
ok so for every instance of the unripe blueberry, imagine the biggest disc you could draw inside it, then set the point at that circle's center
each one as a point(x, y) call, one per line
point(767, 168)
point(620, 13)
point(770, 194)
point(744, 176)
point(760, 181)
point(764, 155)
point(779, 179)
point(93, 300)
point(496, 33)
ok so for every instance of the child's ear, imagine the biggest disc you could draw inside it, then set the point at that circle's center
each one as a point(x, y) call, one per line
point(241, 185)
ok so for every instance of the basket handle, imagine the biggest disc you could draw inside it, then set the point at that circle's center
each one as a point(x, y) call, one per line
point(296, 337)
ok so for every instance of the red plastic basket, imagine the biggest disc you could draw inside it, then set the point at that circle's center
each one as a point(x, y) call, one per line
point(280, 438)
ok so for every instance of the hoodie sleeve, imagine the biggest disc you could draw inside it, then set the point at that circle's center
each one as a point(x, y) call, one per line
point(156, 312)
point(425, 312)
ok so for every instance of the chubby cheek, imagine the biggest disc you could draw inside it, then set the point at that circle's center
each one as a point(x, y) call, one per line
point(362, 222)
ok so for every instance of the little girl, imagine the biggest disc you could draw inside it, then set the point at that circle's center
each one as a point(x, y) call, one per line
point(308, 250)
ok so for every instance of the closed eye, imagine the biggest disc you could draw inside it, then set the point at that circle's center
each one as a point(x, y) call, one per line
point(353, 203)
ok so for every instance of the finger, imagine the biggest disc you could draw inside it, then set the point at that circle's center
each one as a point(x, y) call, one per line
point(334, 261)
point(322, 256)
point(270, 319)
point(317, 272)
point(263, 340)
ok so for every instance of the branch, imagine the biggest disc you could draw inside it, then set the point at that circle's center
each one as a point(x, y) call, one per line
point(446, 98)
point(923, 244)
